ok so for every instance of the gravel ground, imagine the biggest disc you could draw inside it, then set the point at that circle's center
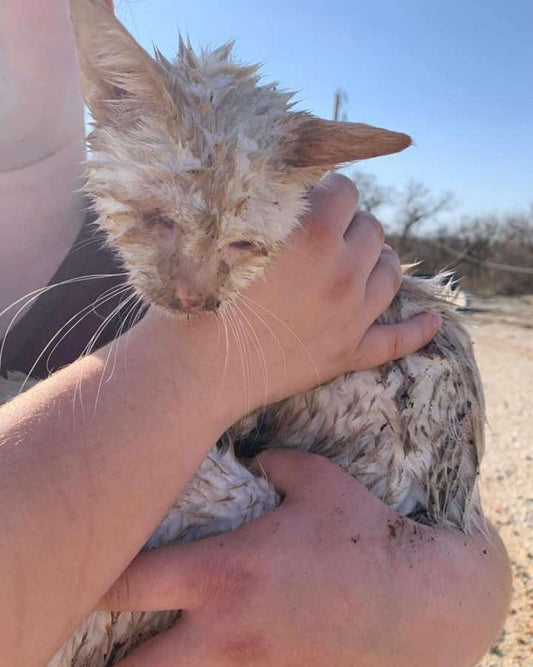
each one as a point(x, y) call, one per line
point(503, 338)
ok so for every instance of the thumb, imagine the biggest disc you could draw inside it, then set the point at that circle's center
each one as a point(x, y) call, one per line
point(386, 342)
point(185, 576)
point(295, 475)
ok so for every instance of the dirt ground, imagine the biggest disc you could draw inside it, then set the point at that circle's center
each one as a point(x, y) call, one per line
point(503, 336)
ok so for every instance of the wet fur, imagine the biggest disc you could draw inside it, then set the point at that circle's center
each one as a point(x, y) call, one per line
point(192, 156)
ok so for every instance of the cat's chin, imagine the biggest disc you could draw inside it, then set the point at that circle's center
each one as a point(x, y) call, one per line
point(178, 314)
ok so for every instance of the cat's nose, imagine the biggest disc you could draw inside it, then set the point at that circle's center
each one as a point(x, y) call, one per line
point(184, 300)
point(189, 302)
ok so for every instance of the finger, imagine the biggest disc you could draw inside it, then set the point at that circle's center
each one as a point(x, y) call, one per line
point(383, 282)
point(181, 576)
point(333, 203)
point(181, 646)
point(295, 474)
point(386, 342)
point(364, 238)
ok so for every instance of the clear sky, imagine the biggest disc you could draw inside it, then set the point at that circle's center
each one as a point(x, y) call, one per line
point(456, 75)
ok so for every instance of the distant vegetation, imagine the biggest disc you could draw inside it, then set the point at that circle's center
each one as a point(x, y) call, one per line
point(491, 254)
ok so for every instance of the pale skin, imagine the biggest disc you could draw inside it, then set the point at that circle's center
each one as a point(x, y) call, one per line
point(316, 582)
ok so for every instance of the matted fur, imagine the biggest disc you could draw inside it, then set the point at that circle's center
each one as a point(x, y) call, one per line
point(199, 174)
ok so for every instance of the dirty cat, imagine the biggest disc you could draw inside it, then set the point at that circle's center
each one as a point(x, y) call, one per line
point(196, 154)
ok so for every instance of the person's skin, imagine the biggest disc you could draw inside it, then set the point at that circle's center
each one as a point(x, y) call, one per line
point(41, 145)
point(79, 498)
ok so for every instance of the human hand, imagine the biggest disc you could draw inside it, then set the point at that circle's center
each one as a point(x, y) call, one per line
point(312, 316)
point(330, 577)
point(344, 277)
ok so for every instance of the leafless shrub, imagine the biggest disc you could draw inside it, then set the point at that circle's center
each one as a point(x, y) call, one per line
point(372, 195)
point(491, 254)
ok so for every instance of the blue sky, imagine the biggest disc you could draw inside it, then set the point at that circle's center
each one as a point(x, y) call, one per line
point(456, 75)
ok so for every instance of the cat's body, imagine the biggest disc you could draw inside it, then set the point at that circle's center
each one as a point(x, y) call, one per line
point(198, 176)
point(411, 431)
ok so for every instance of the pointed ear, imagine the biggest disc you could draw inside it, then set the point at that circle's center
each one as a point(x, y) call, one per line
point(119, 79)
point(323, 143)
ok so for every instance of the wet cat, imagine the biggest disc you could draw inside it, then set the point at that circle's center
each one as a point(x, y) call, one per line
point(199, 174)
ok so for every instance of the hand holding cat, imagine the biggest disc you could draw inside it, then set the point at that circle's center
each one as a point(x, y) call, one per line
point(312, 317)
point(332, 282)
point(330, 577)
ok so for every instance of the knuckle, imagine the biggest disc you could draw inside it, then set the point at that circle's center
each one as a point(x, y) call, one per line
point(119, 595)
point(373, 224)
point(250, 648)
point(225, 580)
point(396, 344)
point(342, 186)
point(397, 278)
point(341, 284)
point(392, 262)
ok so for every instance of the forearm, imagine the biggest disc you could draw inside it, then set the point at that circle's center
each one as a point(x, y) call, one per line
point(81, 492)
point(41, 144)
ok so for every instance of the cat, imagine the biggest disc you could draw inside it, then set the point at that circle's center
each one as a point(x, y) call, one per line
point(199, 174)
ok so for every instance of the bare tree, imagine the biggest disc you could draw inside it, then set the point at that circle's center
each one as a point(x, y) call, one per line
point(371, 194)
point(416, 204)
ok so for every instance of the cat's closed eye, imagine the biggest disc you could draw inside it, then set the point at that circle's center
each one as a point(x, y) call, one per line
point(243, 245)
point(156, 218)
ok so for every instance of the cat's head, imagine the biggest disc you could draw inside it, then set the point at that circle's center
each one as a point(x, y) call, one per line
point(198, 172)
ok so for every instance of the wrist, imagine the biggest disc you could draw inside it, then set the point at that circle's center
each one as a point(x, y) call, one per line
point(192, 359)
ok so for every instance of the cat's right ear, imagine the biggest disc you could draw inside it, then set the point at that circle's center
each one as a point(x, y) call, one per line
point(119, 79)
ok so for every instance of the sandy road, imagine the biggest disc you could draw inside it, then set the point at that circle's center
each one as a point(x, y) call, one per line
point(504, 351)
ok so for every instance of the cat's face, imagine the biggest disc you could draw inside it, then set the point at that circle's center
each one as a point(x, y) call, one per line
point(191, 238)
point(198, 173)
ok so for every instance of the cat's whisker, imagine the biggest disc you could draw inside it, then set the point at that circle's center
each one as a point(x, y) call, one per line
point(89, 349)
point(237, 334)
point(106, 296)
point(248, 349)
point(234, 332)
point(137, 311)
point(248, 354)
point(87, 242)
point(129, 300)
point(260, 353)
point(81, 314)
point(32, 296)
point(100, 301)
point(269, 329)
point(312, 259)
point(226, 357)
point(290, 331)
point(114, 342)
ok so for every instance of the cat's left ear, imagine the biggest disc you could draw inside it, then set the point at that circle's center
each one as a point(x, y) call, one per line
point(119, 79)
point(314, 142)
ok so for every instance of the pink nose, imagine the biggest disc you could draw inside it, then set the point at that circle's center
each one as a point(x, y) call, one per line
point(186, 300)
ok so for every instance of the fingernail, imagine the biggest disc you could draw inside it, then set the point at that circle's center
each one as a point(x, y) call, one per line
point(436, 321)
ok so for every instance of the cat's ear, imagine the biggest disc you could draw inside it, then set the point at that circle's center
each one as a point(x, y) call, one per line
point(119, 79)
point(315, 142)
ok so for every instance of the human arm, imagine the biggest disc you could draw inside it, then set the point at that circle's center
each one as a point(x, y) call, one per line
point(330, 577)
point(41, 144)
point(81, 489)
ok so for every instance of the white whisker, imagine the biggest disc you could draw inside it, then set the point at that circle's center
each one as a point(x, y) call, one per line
point(106, 296)
point(30, 297)
point(292, 333)
point(113, 343)
point(260, 353)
